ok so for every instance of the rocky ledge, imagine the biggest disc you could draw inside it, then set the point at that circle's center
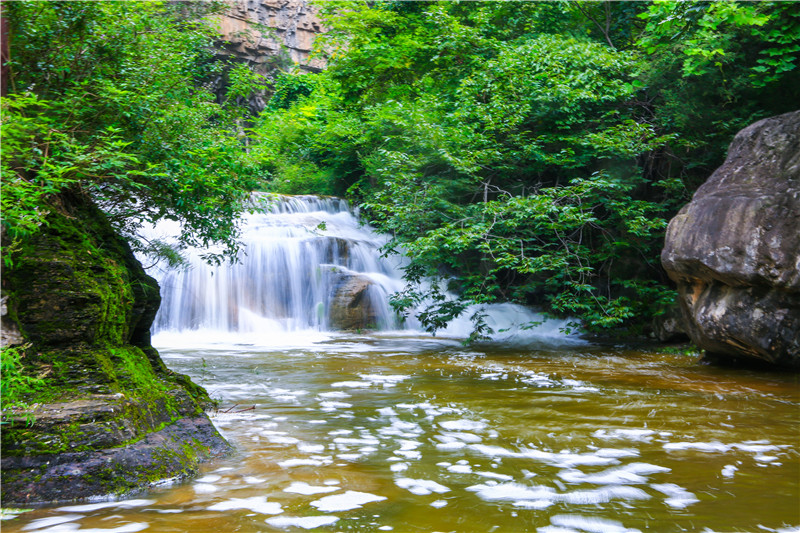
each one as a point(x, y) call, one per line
point(99, 413)
point(734, 250)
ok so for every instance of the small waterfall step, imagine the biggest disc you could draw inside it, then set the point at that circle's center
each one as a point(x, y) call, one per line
point(309, 264)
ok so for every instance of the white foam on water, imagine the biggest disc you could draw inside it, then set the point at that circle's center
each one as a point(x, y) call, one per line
point(333, 405)
point(124, 504)
point(678, 497)
point(630, 474)
point(399, 467)
point(51, 521)
point(289, 463)
point(603, 495)
point(460, 469)
point(334, 394)
point(257, 504)
point(386, 381)
point(563, 459)
point(495, 475)
point(352, 384)
point(523, 495)
point(463, 425)
point(409, 454)
point(406, 444)
point(465, 437)
point(345, 502)
point(701, 446)
point(590, 524)
point(310, 448)
point(765, 458)
point(451, 445)
point(204, 488)
point(438, 504)
point(421, 487)
point(301, 487)
point(640, 435)
point(728, 470)
point(533, 504)
point(305, 522)
point(512, 491)
point(354, 441)
point(279, 439)
point(130, 527)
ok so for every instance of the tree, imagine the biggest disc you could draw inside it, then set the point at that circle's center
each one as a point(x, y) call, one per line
point(106, 100)
point(532, 151)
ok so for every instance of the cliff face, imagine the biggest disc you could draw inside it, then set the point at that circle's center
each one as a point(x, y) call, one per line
point(107, 416)
point(734, 250)
point(253, 30)
point(269, 35)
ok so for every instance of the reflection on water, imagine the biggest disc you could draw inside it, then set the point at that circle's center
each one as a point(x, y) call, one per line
point(404, 433)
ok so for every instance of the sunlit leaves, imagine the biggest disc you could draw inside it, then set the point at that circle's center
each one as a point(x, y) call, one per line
point(107, 100)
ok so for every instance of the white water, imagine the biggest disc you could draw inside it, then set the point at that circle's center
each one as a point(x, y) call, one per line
point(293, 262)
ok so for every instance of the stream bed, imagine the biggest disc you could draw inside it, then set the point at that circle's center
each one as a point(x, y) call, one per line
point(409, 433)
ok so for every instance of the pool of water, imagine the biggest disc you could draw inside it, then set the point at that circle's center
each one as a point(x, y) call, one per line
point(414, 434)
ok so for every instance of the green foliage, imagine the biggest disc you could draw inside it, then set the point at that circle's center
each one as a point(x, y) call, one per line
point(530, 151)
point(106, 100)
point(15, 381)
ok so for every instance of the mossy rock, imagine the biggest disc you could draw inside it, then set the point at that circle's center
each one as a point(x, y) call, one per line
point(84, 307)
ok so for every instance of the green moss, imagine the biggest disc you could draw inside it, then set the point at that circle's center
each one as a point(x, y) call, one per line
point(85, 305)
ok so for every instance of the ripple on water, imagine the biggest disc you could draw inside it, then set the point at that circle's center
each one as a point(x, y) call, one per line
point(345, 502)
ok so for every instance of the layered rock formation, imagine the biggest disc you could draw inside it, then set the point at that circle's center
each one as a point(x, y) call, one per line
point(253, 30)
point(270, 36)
point(734, 250)
point(107, 415)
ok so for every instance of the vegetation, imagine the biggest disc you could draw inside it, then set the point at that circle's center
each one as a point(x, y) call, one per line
point(529, 151)
point(516, 151)
point(107, 101)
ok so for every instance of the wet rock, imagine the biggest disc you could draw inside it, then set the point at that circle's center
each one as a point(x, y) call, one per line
point(83, 307)
point(351, 306)
point(734, 250)
point(669, 327)
point(172, 452)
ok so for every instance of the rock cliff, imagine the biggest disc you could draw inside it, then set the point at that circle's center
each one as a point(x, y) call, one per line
point(269, 35)
point(734, 250)
point(108, 416)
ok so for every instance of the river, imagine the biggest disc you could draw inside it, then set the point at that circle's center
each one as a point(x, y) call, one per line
point(400, 431)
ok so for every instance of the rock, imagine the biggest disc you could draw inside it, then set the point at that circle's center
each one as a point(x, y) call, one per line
point(270, 36)
point(351, 306)
point(669, 327)
point(83, 307)
point(734, 250)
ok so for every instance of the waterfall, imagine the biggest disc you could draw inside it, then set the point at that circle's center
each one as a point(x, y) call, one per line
point(307, 264)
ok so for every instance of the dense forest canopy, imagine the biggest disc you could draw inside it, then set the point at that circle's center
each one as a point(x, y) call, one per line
point(108, 100)
point(516, 151)
point(530, 151)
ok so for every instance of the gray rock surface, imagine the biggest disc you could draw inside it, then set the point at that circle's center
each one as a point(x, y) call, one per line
point(734, 250)
point(270, 36)
point(351, 306)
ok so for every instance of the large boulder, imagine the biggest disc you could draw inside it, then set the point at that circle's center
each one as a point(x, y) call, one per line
point(352, 306)
point(734, 250)
point(106, 415)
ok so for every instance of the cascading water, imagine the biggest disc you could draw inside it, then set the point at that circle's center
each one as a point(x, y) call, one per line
point(308, 264)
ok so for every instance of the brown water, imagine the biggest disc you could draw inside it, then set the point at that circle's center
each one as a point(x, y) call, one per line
point(413, 434)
